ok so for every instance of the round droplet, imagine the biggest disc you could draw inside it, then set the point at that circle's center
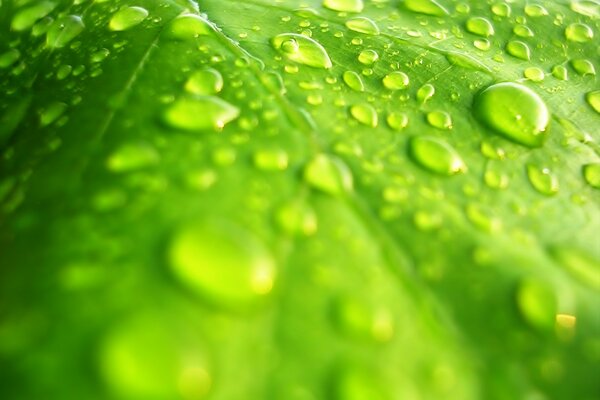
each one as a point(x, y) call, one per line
point(591, 174)
point(222, 263)
point(560, 72)
point(518, 49)
point(200, 113)
point(205, 82)
point(583, 67)
point(363, 25)
point(425, 92)
point(397, 120)
point(480, 26)
point(354, 81)
point(271, 159)
point(188, 26)
point(365, 114)
point(542, 180)
point(130, 157)
point(354, 6)
point(368, 57)
point(534, 74)
point(436, 156)
point(28, 16)
point(439, 119)
point(514, 111)
point(359, 319)
point(428, 7)
point(328, 174)
point(302, 49)
point(396, 80)
point(537, 304)
point(297, 218)
point(578, 32)
point(63, 30)
point(126, 18)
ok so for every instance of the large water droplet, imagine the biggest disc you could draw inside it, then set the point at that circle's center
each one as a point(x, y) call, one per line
point(428, 7)
point(480, 26)
point(200, 113)
point(593, 99)
point(328, 174)
point(579, 33)
point(583, 67)
point(205, 82)
point(126, 18)
point(397, 120)
point(396, 80)
point(302, 49)
point(518, 49)
point(344, 5)
point(363, 25)
point(591, 174)
point(27, 17)
point(188, 26)
point(365, 114)
point(537, 303)
point(222, 263)
point(542, 180)
point(589, 8)
point(439, 119)
point(63, 30)
point(354, 81)
point(368, 57)
point(436, 156)
point(501, 9)
point(514, 111)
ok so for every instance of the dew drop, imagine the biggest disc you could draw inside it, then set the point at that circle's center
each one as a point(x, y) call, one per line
point(296, 218)
point(518, 49)
point(200, 113)
point(425, 92)
point(396, 80)
point(428, 7)
point(52, 112)
point(354, 81)
point(496, 179)
point(560, 72)
point(126, 18)
point(480, 26)
point(368, 57)
point(365, 114)
point(537, 303)
point(534, 74)
point(583, 67)
point(593, 99)
point(271, 159)
point(9, 57)
point(589, 8)
point(328, 174)
point(356, 318)
point(535, 10)
point(302, 49)
point(188, 26)
point(579, 33)
point(27, 17)
point(205, 82)
point(363, 25)
point(523, 31)
point(436, 156)
point(591, 174)
point(354, 6)
point(397, 120)
point(501, 9)
point(515, 112)
point(222, 263)
point(133, 156)
point(542, 180)
point(63, 30)
point(439, 119)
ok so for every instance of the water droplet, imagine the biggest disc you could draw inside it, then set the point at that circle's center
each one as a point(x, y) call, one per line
point(126, 18)
point(428, 7)
point(397, 120)
point(501, 9)
point(495, 179)
point(534, 74)
point(425, 92)
point(188, 26)
point(52, 112)
point(133, 156)
point(200, 113)
point(63, 30)
point(522, 31)
point(560, 72)
point(368, 57)
point(354, 6)
point(589, 8)
point(542, 180)
point(593, 99)
point(297, 218)
point(428, 221)
point(271, 159)
point(436, 156)
point(222, 263)
point(578, 32)
point(396, 80)
point(480, 26)
point(365, 114)
point(356, 318)
point(363, 25)
point(482, 44)
point(205, 82)
point(535, 10)
point(514, 111)
point(9, 57)
point(579, 264)
point(591, 174)
point(328, 174)
point(483, 219)
point(27, 17)
point(518, 49)
point(354, 81)
point(537, 303)
point(302, 49)
point(583, 67)
point(439, 119)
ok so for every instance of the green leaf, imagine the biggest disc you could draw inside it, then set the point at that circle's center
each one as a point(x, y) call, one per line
point(338, 199)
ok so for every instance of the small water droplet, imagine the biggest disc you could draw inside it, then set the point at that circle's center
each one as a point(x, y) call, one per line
point(368, 57)
point(271, 159)
point(428, 7)
point(480, 26)
point(537, 304)
point(205, 82)
point(222, 263)
point(534, 74)
point(514, 111)
point(542, 180)
point(302, 49)
point(495, 179)
point(354, 6)
point(365, 114)
point(396, 80)
point(363, 25)
point(439, 119)
point(560, 72)
point(328, 174)
point(436, 156)
point(591, 174)
point(483, 219)
point(126, 18)
point(63, 30)
point(583, 67)
point(188, 26)
point(518, 49)
point(354, 81)
point(297, 218)
point(397, 120)
point(425, 92)
point(356, 318)
point(200, 113)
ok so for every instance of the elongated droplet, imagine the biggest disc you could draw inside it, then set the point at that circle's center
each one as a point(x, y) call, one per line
point(515, 112)
point(518, 49)
point(589, 8)
point(132, 156)
point(63, 30)
point(542, 180)
point(328, 174)
point(28, 16)
point(205, 82)
point(9, 57)
point(396, 80)
point(302, 49)
point(436, 156)
point(363, 25)
point(52, 112)
point(480, 26)
point(439, 119)
point(127, 18)
point(537, 304)
point(354, 81)
point(365, 114)
point(425, 92)
point(200, 113)
point(354, 6)
point(428, 7)
point(583, 67)
point(222, 263)
point(188, 26)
